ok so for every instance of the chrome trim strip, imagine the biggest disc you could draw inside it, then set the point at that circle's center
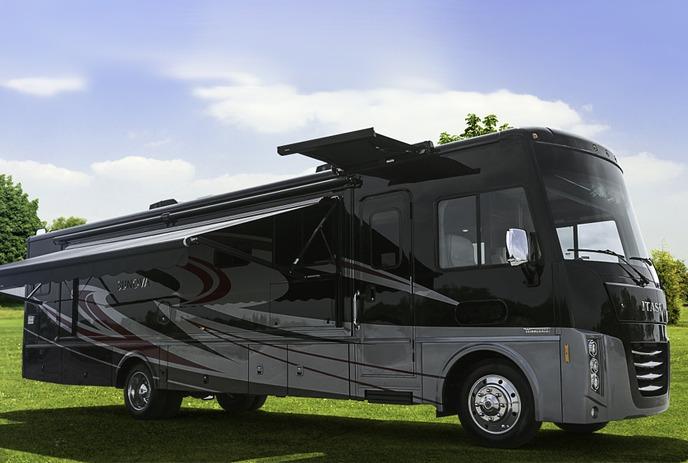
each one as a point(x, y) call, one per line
point(649, 388)
point(649, 376)
point(646, 354)
point(647, 364)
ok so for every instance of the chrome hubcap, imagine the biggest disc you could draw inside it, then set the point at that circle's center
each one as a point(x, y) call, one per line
point(139, 391)
point(494, 404)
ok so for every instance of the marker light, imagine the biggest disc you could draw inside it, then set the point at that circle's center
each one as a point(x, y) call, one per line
point(594, 382)
point(592, 347)
point(594, 365)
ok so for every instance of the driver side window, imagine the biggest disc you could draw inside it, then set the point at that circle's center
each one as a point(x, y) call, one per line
point(593, 235)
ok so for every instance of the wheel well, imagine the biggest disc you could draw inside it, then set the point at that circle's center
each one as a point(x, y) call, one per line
point(125, 368)
point(458, 372)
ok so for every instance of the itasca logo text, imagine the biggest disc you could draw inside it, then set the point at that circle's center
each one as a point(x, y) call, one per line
point(134, 283)
point(648, 306)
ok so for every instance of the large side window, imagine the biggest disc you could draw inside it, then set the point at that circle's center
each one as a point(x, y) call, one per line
point(458, 232)
point(462, 243)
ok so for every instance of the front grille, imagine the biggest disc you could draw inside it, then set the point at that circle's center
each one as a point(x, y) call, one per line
point(650, 362)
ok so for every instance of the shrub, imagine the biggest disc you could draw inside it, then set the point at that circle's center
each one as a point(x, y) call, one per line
point(673, 277)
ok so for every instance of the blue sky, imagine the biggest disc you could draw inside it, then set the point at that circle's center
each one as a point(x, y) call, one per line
point(105, 108)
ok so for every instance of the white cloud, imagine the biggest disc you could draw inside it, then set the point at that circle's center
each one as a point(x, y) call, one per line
point(122, 186)
point(659, 191)
point(411, 114)
point(34, 173)
point(45, 86)
point(647, 169)
point(225, 183)
point(145, 170)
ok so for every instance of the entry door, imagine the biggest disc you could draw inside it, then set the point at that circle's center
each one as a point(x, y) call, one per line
point(384, 290)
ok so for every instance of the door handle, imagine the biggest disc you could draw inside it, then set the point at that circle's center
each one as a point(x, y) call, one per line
point(357, 297)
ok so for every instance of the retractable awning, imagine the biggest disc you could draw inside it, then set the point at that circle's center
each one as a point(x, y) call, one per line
point(132, 253)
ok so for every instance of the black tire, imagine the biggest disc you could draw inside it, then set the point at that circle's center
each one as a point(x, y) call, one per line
point(146, 402)
point(258, 403)
point(238, 403)
point(499, 391)
point(581, 428)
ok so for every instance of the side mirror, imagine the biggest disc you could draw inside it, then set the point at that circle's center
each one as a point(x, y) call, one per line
point(517, 248)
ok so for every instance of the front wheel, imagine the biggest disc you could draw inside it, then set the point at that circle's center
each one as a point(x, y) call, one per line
point(581, 428)
point(146, 402)
point(496, 405)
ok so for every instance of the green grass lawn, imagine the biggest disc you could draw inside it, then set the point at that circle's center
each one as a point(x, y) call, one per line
point(47, 422)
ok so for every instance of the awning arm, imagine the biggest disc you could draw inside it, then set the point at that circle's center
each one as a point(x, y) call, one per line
point(19, 294)
point(316, 231)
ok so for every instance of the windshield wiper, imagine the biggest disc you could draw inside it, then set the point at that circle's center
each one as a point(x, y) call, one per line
point(647, 260)
point(642, 281)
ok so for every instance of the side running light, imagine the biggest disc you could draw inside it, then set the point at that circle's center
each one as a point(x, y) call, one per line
point(593, 352)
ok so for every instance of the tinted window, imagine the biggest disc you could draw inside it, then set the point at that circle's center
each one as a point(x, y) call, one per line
point(385, 231)
point(458, 232)
point(499, 211)
point(595, 235)
point(589, 204)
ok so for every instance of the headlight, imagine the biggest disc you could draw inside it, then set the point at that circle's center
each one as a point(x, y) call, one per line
point(592, 347)
point(594, 365)
point(594, 382)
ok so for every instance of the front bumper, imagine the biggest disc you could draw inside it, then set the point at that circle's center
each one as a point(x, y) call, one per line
point(618, 395)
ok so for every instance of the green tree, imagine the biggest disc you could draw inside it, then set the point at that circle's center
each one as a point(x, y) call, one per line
point(683, 269)
point(474, 128)
point(61, 223)
point(672, 276)
point(18, 220)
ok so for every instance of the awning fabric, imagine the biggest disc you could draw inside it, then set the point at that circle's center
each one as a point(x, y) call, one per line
point(159, 249)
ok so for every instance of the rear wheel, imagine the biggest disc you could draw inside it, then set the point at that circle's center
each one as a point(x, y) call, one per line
point(496, 405)
point(237, 403)
point(146, 402)
point(581, 428)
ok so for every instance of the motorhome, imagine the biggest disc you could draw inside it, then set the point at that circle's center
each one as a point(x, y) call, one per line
point(502, 278)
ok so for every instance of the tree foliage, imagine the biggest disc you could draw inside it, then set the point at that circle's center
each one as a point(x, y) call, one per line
point(475, 126)
point(61, 223)
point(18, 220)
point(673, 276)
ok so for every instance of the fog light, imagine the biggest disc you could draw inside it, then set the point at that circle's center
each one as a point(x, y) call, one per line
point(592, 347)
point(594, 412)
point(594, 365)
point(594, 382)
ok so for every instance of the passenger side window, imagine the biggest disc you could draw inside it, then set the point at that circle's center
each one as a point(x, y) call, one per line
point(385, 232)
point(462, 243)
point(458, 232)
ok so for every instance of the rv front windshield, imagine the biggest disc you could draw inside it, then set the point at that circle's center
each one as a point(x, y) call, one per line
point(590, 206)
